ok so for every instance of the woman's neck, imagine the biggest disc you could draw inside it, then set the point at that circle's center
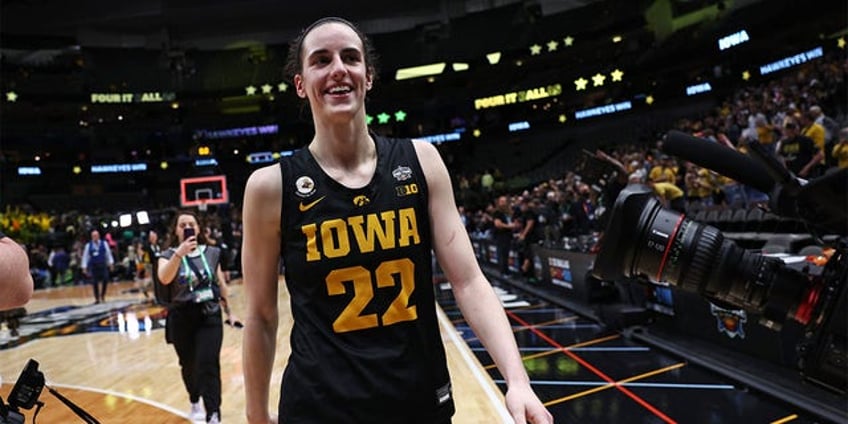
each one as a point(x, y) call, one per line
point(349, 157)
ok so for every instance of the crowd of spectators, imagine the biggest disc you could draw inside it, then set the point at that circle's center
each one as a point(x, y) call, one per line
point(798, 117)
point(56, 256)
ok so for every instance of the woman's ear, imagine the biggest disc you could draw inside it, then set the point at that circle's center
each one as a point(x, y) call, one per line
point(298, 86)
point(369, 79)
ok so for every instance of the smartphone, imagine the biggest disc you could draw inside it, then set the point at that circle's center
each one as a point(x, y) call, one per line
point(188, 232)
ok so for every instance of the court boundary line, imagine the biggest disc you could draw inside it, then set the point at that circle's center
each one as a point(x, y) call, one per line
point(661, 415)
point(134, 398)
point(483, 382)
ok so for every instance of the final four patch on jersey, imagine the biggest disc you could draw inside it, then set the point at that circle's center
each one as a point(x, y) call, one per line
point(402, 173)
point(305, 186)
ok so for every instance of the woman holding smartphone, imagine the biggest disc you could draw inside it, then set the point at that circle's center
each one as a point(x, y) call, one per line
point(194, 324)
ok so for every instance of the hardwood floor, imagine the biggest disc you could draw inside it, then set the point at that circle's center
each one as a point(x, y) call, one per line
point(129, 377)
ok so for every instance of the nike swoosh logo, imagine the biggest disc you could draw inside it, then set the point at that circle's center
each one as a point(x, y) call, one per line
point(308, 206)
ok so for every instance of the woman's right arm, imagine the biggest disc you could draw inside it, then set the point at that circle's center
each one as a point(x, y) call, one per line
point(169, 267)
point(260, 261)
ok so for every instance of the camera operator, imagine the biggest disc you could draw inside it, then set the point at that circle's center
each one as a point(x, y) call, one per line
point(15, 280)
point(194, 324)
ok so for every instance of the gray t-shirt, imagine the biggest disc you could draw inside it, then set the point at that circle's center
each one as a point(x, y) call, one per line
point(187, 282)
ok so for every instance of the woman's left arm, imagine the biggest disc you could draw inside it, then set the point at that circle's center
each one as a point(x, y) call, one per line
point(473, 292)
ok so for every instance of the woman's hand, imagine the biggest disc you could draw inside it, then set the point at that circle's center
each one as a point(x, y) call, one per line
point(187, 246)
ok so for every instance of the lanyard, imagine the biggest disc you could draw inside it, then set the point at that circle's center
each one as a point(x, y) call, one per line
point(187, 269)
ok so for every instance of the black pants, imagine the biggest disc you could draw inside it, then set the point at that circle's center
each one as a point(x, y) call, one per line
point(197, 339)
point(503, 246)
point(99, 274)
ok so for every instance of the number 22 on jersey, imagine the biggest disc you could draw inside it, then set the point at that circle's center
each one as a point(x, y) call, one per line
point(351, 318)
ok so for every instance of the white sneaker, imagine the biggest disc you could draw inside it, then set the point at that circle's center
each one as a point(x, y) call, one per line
point(197, 413)
point(214, 419)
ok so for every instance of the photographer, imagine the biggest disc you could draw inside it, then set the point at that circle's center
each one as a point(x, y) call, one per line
point(15, 280)
point(194, 323)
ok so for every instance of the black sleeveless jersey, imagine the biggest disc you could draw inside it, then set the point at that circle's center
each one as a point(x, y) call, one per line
point(366, 346)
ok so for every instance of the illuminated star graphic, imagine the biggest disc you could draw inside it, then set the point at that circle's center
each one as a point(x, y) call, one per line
point(562, 119)
point(266, 88)
point(383, 118)
point(598, 80)
point(617, 75)
point(841, 42)
point(580, 83)
point(368, 119)
point(569, 41)
point(11, 96)
point(400, 116)
point(746, 75)
point(649, 100)
point(282, 87)
point(552, 46)
point(535, 49)
point(477, 133)
point(251, 90)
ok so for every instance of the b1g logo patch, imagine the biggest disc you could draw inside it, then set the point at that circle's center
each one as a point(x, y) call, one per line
point(730, 322)
point(406, 189)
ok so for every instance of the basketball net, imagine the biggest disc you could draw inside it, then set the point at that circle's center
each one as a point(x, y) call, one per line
point(202, 206)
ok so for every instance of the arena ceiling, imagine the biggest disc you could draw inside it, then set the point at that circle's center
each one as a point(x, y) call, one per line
point(215, 24)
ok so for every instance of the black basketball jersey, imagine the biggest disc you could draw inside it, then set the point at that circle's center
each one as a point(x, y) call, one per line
point(365, 344)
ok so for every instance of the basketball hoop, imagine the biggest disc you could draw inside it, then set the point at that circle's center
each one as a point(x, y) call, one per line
point(202, 206)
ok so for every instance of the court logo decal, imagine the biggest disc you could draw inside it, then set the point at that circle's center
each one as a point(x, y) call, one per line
point(118, 316)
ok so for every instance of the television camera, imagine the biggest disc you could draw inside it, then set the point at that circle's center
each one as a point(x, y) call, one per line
point(645, 241)
point(25, 394)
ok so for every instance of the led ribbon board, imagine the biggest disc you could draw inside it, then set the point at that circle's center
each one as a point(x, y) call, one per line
point(698, 89)
point(118, 168)
point(603, 110)
point(733, 40)
point(238, 132)
point(518, 96)
point(441, 138)
point(792, 61)
point(149, 97)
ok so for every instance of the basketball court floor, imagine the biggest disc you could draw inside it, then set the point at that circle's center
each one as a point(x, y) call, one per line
point(111, 360)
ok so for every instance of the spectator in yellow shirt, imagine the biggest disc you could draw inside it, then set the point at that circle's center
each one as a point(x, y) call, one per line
point(670, 195)
point(840, 150)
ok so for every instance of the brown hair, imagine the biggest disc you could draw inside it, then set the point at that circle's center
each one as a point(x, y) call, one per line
point(294, 60)
point(201, 237)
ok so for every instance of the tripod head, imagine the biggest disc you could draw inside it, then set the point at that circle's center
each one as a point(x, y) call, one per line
point(25, 395)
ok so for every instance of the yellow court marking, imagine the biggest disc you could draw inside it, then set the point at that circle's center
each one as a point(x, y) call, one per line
point(539, 325)
point(792, 417)
point(553, 351)
point(617, 383)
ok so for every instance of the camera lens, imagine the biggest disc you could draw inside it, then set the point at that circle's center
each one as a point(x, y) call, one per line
point(644, 239)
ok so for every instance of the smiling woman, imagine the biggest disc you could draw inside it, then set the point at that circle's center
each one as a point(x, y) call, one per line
point(356, 218)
